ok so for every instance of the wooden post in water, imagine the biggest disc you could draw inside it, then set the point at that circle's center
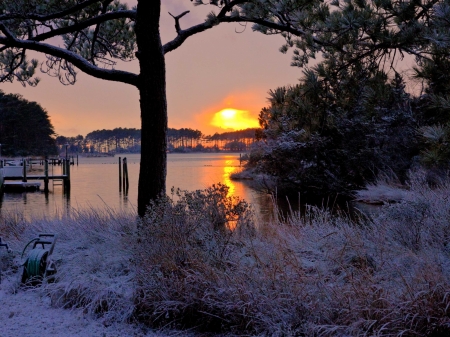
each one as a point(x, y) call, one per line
point(24, 178)
point(125, 176)
point(68, 173)
point(77, 159)
point(63, 161)
point(46, 175)
point(120, 174)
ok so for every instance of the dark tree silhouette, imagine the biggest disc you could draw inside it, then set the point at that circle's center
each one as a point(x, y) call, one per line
point(25, 128)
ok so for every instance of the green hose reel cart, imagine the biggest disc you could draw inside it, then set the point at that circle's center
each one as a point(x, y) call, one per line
point(39, 264)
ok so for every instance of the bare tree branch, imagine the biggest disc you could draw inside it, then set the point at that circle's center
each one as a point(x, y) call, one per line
point(177, 20)
point(184, 34)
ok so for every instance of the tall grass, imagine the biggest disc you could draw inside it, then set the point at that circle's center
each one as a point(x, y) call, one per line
point(200, 262)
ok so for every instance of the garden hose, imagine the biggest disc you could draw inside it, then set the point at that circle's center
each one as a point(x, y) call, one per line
point(23, 251)
point(36, 262)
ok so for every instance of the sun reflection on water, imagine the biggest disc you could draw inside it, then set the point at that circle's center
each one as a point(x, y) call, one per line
point(227, 171)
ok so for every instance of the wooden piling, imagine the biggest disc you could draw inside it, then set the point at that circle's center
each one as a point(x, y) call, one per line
point(125, 175)
point(46, 175)
point(68, 173)
point(120, 174)
point(24, 177)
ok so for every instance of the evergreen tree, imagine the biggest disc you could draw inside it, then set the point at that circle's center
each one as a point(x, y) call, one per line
point(331, 135)
point(25, 128)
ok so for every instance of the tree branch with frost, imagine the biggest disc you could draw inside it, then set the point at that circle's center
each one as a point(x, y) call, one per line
point(72, 57)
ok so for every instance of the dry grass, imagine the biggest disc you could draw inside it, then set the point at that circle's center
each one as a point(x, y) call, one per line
point(202, 264)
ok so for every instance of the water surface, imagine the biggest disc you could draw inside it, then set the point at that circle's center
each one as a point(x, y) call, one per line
point(95, 183)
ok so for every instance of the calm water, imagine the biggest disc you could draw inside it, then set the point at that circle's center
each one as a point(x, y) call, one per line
point(95, 183)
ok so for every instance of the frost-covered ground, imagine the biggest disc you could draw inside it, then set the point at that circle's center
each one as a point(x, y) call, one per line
point(91, 265)
point(29, 313)
point(314, 275)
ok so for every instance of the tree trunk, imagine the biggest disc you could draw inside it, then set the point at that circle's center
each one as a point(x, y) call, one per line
point(153, 104)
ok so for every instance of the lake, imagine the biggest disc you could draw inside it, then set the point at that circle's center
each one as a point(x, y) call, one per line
point(95, 183)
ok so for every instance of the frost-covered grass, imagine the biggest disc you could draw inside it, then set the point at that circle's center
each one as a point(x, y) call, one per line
point(201, 263)
point(386, 189)
point(93, 254)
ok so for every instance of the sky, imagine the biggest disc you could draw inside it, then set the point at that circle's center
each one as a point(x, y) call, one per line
point(227, 67)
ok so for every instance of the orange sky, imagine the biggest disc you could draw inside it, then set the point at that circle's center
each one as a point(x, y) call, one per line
point(212, 71)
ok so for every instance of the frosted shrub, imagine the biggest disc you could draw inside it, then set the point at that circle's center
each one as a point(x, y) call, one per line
point(320, 275)
point(185, 245)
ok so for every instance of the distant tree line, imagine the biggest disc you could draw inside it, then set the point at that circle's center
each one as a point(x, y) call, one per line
point(233, 140)
point(183, 139)
point(25, 128)
point(121, 140)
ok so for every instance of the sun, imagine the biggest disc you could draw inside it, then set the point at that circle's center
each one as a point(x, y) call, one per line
point(228, 113)
point(234, 119)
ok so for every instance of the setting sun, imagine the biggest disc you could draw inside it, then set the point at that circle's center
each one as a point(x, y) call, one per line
point(234, 119)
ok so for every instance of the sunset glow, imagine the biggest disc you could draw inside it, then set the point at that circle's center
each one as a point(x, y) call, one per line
point(234, 119)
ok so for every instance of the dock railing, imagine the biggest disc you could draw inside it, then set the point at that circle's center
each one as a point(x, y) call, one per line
point(19, 173)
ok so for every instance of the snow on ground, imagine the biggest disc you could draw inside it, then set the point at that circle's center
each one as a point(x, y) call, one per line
point(90, 254)
point(28, 313)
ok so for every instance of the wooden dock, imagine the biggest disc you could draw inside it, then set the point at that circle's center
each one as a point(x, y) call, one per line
point(16, 181)
point(19, 186)
point(38, 177)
